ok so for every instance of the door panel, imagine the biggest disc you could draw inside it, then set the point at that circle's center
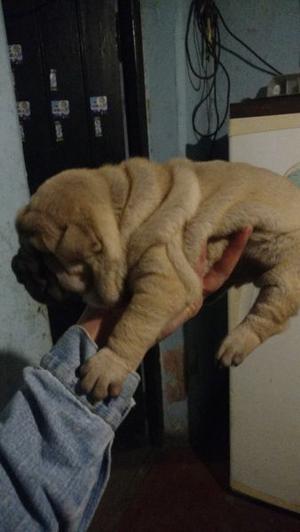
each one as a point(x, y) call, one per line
point(265, 389)
point(65, 59)
point(103, 81)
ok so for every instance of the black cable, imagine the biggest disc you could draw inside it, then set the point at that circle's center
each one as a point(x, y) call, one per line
point(256, 67)
point(189, 60)
point(213, 51)
point(203, 26)
point(198, 106)
point(209, 51)
point(244, 44)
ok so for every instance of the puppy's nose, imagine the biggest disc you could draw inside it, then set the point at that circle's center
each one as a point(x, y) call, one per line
point(34, 285)
point(18, 268)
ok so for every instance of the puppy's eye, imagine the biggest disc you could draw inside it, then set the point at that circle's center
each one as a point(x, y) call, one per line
point(96, 246)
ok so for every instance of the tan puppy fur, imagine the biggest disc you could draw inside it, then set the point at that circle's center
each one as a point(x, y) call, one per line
point(136, 229)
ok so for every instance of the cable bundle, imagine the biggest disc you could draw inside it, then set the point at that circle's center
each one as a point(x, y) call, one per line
point(203, 28)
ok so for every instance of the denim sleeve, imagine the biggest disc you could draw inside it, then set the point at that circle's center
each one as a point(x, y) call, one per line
point(55, 447)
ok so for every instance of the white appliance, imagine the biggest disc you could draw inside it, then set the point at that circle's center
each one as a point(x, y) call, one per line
point(265, 389)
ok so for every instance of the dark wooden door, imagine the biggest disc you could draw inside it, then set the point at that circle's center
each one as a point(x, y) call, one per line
point(70, 92)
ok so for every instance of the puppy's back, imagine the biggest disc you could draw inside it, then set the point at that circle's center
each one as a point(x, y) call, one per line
point(257, 195)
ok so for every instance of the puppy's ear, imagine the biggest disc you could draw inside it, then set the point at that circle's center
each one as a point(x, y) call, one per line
point(101, 252)
point(109, 266)
point(40, 231)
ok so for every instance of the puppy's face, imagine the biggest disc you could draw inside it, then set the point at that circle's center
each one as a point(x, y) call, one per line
point(69, 242)
point(46, 279)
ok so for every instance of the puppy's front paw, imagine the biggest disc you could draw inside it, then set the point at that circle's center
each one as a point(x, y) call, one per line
point(103, 374)
point(236, 347)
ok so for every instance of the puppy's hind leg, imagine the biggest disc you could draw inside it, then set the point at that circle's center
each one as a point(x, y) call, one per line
point(277, 301)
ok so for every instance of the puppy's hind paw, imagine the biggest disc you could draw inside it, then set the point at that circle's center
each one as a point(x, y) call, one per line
point(228, 356)
point(236, 347)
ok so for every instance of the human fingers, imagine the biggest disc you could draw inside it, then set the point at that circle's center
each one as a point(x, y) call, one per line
point(99, 323)
point(222, 269)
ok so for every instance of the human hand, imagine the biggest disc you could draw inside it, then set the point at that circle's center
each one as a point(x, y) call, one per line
point(100, 323)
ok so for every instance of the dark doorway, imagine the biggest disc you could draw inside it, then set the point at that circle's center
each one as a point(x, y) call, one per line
point(79, 84)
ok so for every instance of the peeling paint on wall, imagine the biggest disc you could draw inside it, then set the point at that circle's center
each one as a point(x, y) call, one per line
point(175, 405)
point(173, 366)
point(24, 327)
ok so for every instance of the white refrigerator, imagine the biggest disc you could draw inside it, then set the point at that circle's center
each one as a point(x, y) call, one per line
point(265, 389)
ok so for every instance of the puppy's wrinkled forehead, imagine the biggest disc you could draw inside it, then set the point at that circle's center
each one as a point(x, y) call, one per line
point(70, 194)
point(71, 216)
point(67, 199)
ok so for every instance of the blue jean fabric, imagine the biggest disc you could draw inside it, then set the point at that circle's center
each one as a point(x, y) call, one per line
point(55, 446)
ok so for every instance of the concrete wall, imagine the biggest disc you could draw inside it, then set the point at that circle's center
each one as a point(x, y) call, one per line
point(24, 329)
point(162, 27)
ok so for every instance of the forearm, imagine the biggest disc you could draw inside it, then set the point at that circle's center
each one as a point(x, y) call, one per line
point(54, 445)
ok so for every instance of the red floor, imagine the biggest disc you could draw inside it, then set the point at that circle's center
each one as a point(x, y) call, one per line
point(173, 491)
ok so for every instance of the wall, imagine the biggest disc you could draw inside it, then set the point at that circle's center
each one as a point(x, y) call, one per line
point(24, 330)
point(162, 30)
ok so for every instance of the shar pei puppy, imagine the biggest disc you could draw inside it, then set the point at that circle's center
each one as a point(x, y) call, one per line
point(134, 231)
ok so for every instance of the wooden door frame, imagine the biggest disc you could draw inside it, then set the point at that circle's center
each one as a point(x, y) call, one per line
point(131, 56)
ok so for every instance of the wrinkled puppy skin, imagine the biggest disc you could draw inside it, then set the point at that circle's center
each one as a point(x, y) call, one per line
point(137, 228)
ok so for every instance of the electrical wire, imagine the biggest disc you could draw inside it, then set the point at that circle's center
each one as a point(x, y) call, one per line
point(244, 44)
point(206, 68)
point(248, 62)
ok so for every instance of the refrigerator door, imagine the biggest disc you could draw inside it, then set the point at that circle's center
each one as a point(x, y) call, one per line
point(265, 389)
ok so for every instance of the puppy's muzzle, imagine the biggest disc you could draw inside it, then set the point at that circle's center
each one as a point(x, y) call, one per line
point(30, 271)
